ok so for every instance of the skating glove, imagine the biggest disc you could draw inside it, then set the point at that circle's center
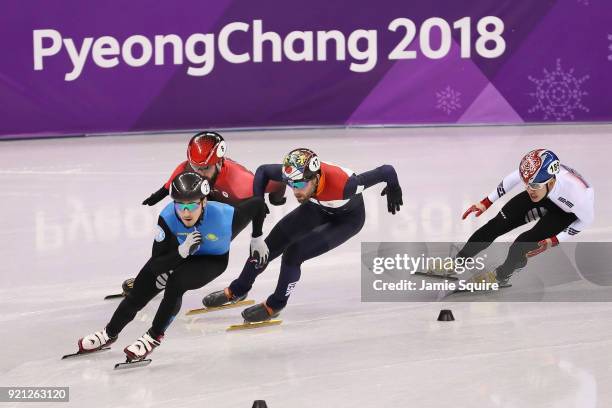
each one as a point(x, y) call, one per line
point(276, 200)
point(191, 244)
point(156, 197)
point(478, 208)
point(543, 245)
point(394, 198)
point(259, 249)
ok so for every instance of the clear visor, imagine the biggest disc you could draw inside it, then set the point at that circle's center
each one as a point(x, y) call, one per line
point(536, 186)
point(201, 168)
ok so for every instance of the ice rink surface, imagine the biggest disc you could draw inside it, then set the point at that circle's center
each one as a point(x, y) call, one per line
point(73, 229)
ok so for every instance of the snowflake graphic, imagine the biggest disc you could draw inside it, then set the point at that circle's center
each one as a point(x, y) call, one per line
point(558, 94)
point(610, 46)
point(449, 100)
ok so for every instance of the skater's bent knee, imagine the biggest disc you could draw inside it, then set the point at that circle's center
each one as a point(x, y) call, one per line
point(135, 302)
point(293, 255)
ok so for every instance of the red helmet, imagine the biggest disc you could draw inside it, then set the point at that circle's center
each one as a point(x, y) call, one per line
point(206, 149)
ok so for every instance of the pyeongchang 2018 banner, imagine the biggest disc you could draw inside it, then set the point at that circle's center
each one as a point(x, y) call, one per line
point(74, 67)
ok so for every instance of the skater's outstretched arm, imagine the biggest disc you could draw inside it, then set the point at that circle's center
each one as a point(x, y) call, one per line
point(276, 192)
point(507, 184)
point(252, 210)
point(163, 192)
point(383, 174)
point(265, 173)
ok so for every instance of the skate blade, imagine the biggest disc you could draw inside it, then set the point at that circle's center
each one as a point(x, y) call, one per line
point(79, 353)
point(246, 326)
point(215, 309)
point(118, 295)
point(437, 275)
point(133, 364)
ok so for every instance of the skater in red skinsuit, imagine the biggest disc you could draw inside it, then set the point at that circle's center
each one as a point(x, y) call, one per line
point(230, 182)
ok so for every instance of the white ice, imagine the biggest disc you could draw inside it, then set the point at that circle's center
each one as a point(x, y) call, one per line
point(72, 229)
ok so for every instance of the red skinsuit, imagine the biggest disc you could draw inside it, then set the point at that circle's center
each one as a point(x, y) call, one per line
point(233, 184)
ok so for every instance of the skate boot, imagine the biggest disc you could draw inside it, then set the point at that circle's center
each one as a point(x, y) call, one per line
point(142, 347)
point(484, 277)
point(443, 270)
point(127, 286)
point(259, 313)
point(95, 342)
point(492, 277)
point(221, 298)
point(504, 283)
point(504, 279)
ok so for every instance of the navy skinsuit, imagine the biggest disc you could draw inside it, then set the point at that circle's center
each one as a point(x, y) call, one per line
point(166, 270)
point(335, 214)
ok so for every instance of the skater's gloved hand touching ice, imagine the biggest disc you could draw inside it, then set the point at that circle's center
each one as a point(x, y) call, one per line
point(478, 208)
point(394, 197)
point(191, 244)
point(543, 246)
point(259, 249)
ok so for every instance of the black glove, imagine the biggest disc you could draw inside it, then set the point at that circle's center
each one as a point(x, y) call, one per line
point(156, 197)
point(394, 198)
point(276, 200)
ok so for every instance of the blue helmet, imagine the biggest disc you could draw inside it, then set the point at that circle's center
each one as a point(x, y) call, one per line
point(539, 166)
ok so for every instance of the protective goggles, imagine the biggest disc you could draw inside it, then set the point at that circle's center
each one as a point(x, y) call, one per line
point(297, 184)
point(201, 168)
point(191, 207)
point(536, 186)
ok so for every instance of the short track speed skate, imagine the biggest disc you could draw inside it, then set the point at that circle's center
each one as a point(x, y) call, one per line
point(82, 353)
point(137, 352)
point(257, 316)
point(92, 343)
point(440, 274)
point(221, 300)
